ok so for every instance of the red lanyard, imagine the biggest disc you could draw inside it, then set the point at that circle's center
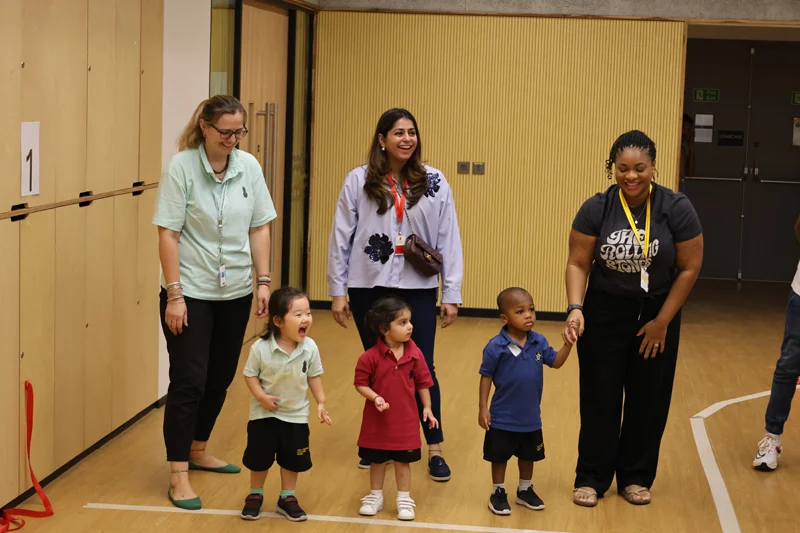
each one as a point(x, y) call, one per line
point(8, 517)
point(399, 199)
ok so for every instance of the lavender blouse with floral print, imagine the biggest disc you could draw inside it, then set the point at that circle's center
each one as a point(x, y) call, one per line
point(361, 248)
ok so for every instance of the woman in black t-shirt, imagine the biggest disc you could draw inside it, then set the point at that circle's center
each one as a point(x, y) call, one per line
point(628, 326)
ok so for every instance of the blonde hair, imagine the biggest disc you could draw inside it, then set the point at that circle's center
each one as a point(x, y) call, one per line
point(209, 110)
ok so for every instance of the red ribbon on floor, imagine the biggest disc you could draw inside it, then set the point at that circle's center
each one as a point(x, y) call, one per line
point(9, 522)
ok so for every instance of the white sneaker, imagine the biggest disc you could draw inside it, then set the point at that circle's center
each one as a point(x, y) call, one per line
point(405, 508)
point(769, 449)
point(370, 505)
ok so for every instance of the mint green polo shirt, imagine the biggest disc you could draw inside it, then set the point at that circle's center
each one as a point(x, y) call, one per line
point(285, 376)
point(189, 200)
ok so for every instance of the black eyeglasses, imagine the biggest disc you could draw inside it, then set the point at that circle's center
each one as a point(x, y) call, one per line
point(227, 134)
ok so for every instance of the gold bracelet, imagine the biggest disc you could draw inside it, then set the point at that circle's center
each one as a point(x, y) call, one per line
point(173, 285)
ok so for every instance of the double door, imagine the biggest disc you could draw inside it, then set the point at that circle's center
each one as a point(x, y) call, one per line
point(263, 82)
point(746, 180)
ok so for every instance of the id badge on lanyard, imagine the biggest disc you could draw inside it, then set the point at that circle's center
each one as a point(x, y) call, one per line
point(223, 277)
point(399, 207)
point(644, 280)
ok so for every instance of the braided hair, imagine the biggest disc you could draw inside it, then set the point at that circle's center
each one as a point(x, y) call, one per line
point(632, 139)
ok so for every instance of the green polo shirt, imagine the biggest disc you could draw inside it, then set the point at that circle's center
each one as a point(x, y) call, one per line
point(285, 376)
point(189, 201)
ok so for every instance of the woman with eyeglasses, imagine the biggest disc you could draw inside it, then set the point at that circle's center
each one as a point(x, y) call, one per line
point(212, 214)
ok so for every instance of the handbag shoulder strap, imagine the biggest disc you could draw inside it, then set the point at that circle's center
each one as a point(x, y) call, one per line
point(408, 217)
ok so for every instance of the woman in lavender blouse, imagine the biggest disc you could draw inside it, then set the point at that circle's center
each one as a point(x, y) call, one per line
point(365, 259)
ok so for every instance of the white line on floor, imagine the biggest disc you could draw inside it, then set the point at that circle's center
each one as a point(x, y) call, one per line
point(719, 491)
point(319, 518)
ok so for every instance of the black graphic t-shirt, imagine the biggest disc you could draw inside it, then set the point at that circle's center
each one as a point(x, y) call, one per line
point(618, 258)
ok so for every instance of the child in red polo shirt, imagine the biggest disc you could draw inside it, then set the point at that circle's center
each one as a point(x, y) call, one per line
point(387, 375)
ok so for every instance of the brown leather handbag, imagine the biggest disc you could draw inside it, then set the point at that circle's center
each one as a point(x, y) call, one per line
point(421, 255)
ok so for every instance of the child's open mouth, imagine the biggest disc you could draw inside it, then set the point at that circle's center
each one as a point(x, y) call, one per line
point(302, 332)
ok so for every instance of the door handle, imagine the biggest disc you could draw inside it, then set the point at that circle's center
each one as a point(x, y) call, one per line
point(251, 114)
point(271, 165)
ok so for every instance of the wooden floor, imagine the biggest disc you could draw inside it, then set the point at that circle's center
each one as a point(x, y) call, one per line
point(730, 342)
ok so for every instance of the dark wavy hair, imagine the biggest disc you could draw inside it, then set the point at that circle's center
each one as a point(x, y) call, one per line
point(631, 139)
point(376, 186)
point(384, 311)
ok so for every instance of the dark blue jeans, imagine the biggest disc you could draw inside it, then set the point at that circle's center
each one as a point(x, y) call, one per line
point(784, 381)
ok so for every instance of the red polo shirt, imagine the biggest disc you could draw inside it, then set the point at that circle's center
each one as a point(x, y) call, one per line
point(395, 381)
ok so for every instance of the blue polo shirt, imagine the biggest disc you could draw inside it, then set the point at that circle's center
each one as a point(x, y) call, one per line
point(516, 372)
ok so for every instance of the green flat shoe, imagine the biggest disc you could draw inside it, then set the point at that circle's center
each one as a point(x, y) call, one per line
point(227, 469)
point(192, 504)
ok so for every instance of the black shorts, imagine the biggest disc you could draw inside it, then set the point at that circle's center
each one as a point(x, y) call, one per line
point(500, 445)
point(381, 456)
point(268, 438)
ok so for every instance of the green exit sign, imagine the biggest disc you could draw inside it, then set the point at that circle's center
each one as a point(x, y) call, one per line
point(796, 98)
point(706, 95)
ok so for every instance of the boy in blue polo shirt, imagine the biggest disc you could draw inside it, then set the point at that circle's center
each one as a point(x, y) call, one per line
point(513, 362)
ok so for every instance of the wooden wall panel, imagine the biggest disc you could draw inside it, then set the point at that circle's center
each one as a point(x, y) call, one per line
point(37, 339)
point(101, 124)
point(125, 371)
point(145, 371)
point(151, 95)
point(10, 85)
point(9, 361)
point(10, 80)
point(54, 93)
point(126, 92)
point(265, 39)
point(539, 100)
point(70, 332)
point(100, 297)
point(300, 151)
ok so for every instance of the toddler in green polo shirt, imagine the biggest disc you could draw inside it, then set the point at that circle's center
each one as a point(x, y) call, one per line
point(281, 367)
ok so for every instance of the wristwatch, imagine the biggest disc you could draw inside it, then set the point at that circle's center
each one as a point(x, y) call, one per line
point(572, 307)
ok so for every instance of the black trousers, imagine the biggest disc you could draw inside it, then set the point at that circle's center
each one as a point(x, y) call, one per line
point(423, 317)
point(617, 382)
point(202, 364)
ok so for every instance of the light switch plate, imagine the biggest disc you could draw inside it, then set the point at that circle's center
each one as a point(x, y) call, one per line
point(463, 167)
point(478, 168)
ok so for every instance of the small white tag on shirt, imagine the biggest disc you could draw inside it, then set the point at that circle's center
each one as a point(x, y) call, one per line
point(645, 280)
point(514, 349)
point(400, 240)
point(223, 277)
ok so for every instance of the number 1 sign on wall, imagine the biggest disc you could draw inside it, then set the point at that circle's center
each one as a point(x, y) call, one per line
point(30, 159)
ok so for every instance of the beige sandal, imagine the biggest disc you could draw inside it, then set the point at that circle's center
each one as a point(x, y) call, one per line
point(584, 503)
point(629, 495)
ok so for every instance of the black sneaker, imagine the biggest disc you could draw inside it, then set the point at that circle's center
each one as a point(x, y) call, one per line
point(363, 463)
point(438, 469)
point(289, 508)
point(498, 502)
point(529, 499)
point(252, 507)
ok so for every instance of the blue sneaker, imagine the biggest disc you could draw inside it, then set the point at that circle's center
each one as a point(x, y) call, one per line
point(438, 469)
point(363, 463)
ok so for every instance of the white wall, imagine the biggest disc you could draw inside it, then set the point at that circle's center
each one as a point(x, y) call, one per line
point(187, 64)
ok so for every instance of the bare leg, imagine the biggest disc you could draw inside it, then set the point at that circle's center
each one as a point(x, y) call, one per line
point(434, 449)
point(179, 481)
point(376, 475)
point(257, 479)
point(199, 456)
point(402, 475)
point(498, 473)
point(525, 469)
point(288, 479)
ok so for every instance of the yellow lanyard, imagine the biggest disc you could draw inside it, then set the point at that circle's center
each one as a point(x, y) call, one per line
point(646, 244)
